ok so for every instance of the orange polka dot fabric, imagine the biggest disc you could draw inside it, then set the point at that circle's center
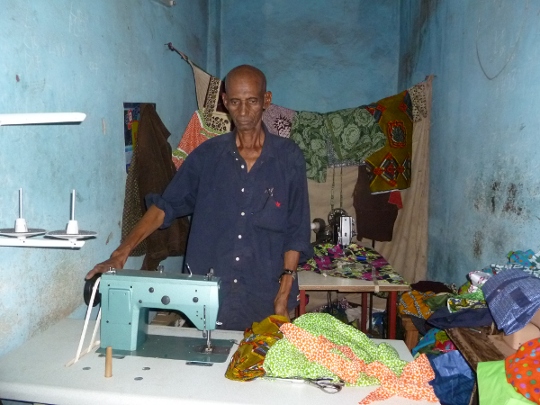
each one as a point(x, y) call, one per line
point(412, 384)
point(320, 350)
point(341, 360)
point(523, 370)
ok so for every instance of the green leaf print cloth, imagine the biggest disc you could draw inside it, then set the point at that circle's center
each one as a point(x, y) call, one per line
point(352, 134)
point(284, 360)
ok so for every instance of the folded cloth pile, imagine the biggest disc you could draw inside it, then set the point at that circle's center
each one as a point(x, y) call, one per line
point(318, 345)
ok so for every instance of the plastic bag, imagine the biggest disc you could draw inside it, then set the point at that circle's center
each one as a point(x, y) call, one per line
point(454, 379)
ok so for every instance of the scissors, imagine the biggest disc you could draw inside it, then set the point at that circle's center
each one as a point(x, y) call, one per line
point(326, 384)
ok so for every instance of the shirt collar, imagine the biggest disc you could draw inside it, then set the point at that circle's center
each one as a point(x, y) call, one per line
point(268, 149)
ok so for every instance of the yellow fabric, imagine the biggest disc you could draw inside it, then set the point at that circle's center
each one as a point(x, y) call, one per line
point(391, 165)
point(407, 252)
point(413, 303)
point(246, 363)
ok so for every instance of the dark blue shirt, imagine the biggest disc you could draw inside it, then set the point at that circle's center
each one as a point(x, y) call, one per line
point(242, 223)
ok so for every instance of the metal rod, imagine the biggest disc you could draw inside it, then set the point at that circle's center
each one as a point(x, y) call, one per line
point(20, 203)
point(73, 205)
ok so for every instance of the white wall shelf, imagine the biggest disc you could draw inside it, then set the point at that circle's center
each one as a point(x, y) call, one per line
point(41, 118)
point(17, 237)
point(42, 242)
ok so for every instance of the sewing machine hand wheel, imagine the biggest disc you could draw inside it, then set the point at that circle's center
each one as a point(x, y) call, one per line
point(87, 292)
point(336, 213)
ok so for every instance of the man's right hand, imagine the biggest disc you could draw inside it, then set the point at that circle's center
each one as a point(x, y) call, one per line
point(150, 221)
point(114, 262)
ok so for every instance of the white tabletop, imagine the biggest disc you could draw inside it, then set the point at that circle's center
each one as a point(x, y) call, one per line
point(36, 372)
point(309, 280)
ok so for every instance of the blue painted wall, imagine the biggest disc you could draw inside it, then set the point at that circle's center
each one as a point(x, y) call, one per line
point(93, 56)
point(90, 57)
point(485, 191)
point(317, 55)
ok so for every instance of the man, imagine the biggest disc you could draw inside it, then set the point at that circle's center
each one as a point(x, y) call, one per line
point(247, 193)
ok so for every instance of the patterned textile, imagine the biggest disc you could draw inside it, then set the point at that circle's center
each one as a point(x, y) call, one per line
point(347, 137)
point(352, 261)
point(209, 89)
point(478, 279)
point(340, 360)
point(443, 343)
point(468, 300)
point(529, 260)
point(279, 120)
point(412, 384)
point(435, 341)
point(523, 370)
point(214, 114)
point(419, 101)
point(352, 362)
point(196, 133)
point(285, 360)
point(246, 363)
point(390, 167)
point(352, 132)
point(513, 297)
point(414, 303)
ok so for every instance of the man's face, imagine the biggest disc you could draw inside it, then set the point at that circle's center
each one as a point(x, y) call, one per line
point(246, 100)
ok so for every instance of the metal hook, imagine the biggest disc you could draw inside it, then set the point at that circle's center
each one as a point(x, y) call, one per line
point(189, 269)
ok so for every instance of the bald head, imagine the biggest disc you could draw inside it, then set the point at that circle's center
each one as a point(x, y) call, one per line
point(246, 98)
point(246, 72)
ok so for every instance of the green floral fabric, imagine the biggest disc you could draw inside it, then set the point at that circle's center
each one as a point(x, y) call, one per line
point(352, 134)
point(284, 360)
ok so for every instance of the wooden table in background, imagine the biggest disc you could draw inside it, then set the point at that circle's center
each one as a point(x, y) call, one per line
point(311, 281)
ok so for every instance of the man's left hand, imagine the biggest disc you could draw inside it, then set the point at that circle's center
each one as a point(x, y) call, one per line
point(280, 308)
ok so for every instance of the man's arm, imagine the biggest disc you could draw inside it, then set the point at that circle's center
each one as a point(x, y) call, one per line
point(290, 262)
point(151, 220)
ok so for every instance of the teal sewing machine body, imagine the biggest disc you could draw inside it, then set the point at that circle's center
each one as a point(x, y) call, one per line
point(128, 295)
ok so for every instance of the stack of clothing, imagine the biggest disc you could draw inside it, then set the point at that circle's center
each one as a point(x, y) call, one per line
point(317, 345)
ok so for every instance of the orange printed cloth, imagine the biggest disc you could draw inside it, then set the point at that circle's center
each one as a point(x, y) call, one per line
point(319, 349)
point(195, 134)
point(412, 384)
point(341, 360)
point(285, 360)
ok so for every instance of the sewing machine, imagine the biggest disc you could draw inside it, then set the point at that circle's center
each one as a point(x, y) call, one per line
point(340, 228)
point(127, 296)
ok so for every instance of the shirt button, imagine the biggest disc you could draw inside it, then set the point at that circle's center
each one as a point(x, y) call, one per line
point(242, 213)
point(242, 189)
point(235, 280)
point(237, 258)
point(239, 236)
point(242, 166)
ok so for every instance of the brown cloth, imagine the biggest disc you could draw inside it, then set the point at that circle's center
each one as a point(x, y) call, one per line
point(151, 171)
point(375, 216)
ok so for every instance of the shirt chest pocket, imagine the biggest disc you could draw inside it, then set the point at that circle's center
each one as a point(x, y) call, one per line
point(270, 212)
